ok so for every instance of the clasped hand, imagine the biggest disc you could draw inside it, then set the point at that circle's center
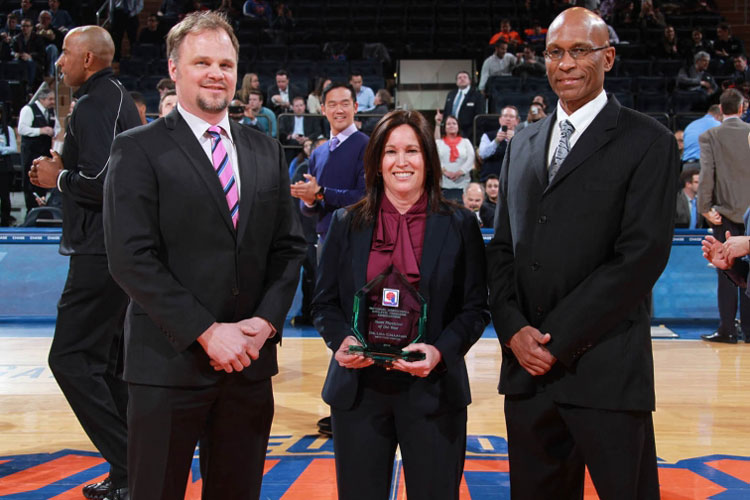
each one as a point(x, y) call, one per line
point(233, 346)
point(305, 190)
point(44, 170)
point(417, 368)
point(528, 345)
point(723, 255)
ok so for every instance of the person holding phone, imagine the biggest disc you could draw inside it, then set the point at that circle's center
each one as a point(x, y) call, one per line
point(492, 147)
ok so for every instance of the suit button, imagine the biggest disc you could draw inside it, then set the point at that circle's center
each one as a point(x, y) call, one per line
point(235, 291)
point(542, 219)
point(535, 266)
point(539, 310)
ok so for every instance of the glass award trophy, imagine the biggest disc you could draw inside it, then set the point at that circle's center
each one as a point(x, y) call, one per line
point(389, 314)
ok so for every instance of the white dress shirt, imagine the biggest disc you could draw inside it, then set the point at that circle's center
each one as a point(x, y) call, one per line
point(199, 128)
point(26, 118)
point(580, 119)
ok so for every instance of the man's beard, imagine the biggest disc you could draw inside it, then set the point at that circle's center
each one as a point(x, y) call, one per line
point(213, 106)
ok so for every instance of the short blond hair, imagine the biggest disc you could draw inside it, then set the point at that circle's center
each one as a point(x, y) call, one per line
point(196, 22)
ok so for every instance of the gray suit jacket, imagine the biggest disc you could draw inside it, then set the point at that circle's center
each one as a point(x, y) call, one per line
point(725, 169)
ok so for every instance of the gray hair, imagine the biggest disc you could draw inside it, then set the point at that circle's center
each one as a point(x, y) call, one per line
point(701, 55)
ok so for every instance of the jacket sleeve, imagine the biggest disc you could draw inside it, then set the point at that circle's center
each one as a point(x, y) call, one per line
point(327, 310)
point(468, 325)
point(708, 170)
point(613, 290)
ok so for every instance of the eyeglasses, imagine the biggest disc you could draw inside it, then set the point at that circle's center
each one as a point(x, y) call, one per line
point(575, 52)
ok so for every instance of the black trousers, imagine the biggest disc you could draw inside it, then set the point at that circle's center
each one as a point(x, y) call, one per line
point(6, 180)
point(122, 24)
point(85, 355)
point(365, 438)
point(727, 292)
point(232, 420)
point(550, 443)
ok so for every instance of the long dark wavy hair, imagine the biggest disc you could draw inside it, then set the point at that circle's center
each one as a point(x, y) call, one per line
point(366, 210)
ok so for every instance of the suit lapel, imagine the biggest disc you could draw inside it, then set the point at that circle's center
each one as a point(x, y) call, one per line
point(361, 240)
point(539, 143)
point(248, 173)
point(436, 228)
point(184, 138)
point(598, 133)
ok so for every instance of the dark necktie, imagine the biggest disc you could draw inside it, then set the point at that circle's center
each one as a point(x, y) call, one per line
point(563, 147)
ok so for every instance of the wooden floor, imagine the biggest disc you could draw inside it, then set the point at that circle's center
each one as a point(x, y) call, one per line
point(703, 401)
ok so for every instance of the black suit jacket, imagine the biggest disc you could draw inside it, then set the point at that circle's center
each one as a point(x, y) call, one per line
point(273, 90)
point(311, 125)
point(452, 281)
point(577, 257)
point(682, 213)
point(472, 106)
point(172, 247)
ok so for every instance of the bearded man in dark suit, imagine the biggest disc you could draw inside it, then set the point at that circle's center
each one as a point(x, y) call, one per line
point(582, 232)
point(203, 236)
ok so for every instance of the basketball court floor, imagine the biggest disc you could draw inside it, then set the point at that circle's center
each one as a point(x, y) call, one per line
point(702, 423)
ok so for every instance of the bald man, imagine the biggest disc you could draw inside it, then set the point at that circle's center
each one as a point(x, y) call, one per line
point(87, 340)
point(582, 232)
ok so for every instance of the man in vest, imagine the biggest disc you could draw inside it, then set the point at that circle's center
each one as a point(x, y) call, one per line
point(36, 125)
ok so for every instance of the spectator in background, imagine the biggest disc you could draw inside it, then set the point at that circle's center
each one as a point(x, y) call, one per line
point(29, 49)
point(365, 95)
point(61, 18)
point(536, 113)
point(151, 33)
point(529, 64)
point(464, 102)
point(140, 105)
point(741, 70)
point(501, 63)
point(300, 157)
point(535, 36)
point(5, 52)
point(281, 93)
point(650, 16)
point(170, 12)
point(295, 130)
point(249, 82)
point(472, 198)
point(456, 158)
point(26, 11)
point(11, 27)
point(696, 76)
point(507, 35)
point(52, 40)
point(258, 9)
point(125, 22)
point(8, 148)
point(696, 44)
point(313, 99)
point(668, 46)
point(679, 136)
point(164, 86)
point(723, 198)
point(167, 103)
point(282, 23)
point(686, 212)
point(259, 115)
point(491, 191)
point(725, 47)
point(692, 153)
point(383, 101)
point(36, 126)
point(492, 147)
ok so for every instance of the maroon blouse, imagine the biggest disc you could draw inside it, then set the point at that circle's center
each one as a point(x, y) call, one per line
point(398, 239)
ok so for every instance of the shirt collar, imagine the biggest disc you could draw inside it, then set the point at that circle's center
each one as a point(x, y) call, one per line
point(84, 89)
point(41, 108)
point(344, 134)
point(583, 116)
point(199, 126)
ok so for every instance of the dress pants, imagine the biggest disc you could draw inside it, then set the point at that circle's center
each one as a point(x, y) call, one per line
point(727, 291)
point(549, 443)
point(365, 438)
point(232, 420)
point(6, 180)
point(85, 357)
point(123, 24)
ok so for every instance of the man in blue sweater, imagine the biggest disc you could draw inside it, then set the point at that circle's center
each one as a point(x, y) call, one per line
point(337, 176)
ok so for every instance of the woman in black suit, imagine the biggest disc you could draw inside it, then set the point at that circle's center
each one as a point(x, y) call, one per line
point(421, 405)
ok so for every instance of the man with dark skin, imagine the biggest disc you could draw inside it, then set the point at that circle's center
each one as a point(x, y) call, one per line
point(85, 348)
point(570, 300)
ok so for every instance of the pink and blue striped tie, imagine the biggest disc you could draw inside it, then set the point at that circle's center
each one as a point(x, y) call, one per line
point(224, 170)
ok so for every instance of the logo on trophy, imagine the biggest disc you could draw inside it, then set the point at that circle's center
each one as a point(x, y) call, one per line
point(389, 314)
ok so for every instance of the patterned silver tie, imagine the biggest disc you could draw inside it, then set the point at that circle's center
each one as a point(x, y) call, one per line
point(563, 147)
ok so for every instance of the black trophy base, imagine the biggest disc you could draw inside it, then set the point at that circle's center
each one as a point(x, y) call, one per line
point(383, 355)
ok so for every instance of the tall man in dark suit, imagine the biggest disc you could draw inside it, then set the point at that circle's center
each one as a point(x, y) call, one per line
point(723, 197)
point(203, 235)
point(85, 349)
point(464, 102)
point(583, 230)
